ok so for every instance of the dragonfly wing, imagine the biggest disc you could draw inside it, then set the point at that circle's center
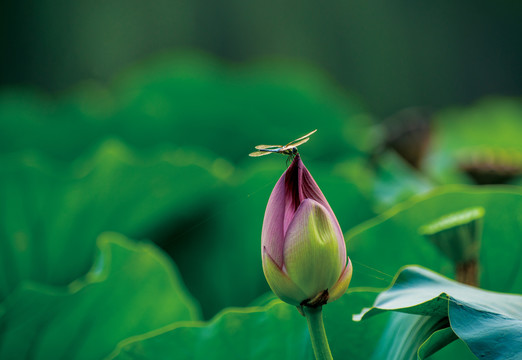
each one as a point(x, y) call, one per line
point(258, 147)
point(259, 153)
point(293, 142)
point(296, 144)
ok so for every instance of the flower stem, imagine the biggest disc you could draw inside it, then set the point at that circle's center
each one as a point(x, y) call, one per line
point(467, 272)
point(314, 318)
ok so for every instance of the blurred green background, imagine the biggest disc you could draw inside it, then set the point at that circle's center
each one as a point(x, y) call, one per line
point(137, 117)
point(391, 54)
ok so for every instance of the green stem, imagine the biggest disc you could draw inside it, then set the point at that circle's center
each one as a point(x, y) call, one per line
point(467, 272)
point(314, 317)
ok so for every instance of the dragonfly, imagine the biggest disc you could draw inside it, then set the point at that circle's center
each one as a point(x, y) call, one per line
point(288, 149)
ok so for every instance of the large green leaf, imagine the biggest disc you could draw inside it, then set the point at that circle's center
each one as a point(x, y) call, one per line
point(51, 214)
point(489, 323)
point(414, 330)
point(411, 336)
point(132, 288)
point(274, 331)
point(251, 333)
point(379, 247)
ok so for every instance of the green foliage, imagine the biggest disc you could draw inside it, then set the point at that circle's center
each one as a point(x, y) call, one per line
point(410, 336)
point(477, 144)
point(396, 181)
point(53, 214)
point(273, 331)
point(396, 236)
point(87, 318)
point(161, 154)
point(63, 127)
point(252, 333)
point(492, 123)
point(190, 100)
point(472, 127)
point(151, 156)
point(489, 323)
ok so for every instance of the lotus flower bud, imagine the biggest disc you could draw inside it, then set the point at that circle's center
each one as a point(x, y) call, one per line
point(302, 245)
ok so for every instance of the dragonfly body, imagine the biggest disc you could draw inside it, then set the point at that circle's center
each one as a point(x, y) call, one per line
point(288, 149)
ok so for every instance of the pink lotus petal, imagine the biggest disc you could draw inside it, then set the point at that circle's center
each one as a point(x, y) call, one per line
point(340, 287)
point(272, 235)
